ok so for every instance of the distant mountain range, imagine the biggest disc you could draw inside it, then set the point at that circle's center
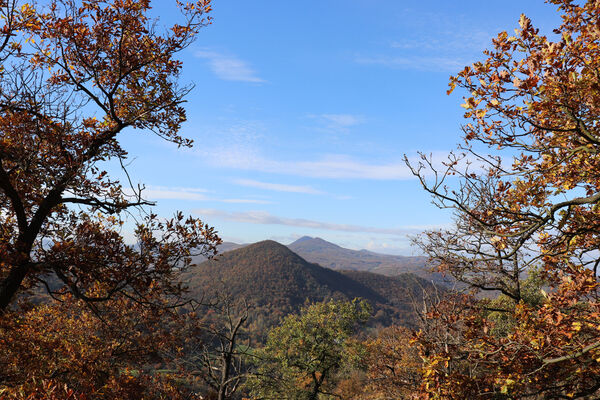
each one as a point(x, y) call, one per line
point(276, 281)
point(330, 255)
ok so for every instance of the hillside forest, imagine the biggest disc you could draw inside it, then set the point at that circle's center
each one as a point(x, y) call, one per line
point(502, 304)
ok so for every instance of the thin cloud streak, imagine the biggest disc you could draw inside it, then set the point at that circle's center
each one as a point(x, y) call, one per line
point(228, 67)
point(188, 194)
point(154, 194)
point(421, 63)
point(345, 120)
point(329, 167)
point(265, 218)
point(246, 201)
point(337, 123)
point(180, 188)
point(341, 121)
point(335, 166)
point(433, 42)
point(277, 187)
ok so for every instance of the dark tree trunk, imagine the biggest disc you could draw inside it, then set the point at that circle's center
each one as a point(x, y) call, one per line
point(11, 284)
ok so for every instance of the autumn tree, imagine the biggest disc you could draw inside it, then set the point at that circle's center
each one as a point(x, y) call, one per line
point(303, 355)
point(393, 365)
point(217, 347)
point(74, 77)
point(116, 352)
point(534, 205)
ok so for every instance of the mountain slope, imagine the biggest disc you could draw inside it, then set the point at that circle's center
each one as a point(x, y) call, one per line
point(269, 273)
point(401, 291)
point(275, 281)
point(333, 256)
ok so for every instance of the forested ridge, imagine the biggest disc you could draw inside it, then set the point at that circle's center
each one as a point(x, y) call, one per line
point(275, 282)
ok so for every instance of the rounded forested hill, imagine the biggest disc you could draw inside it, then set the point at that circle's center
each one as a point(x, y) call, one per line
point(275, 281)
point(269, 273)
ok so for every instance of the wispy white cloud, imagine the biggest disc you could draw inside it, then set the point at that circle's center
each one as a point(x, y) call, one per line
point(433, 41)
point(180, 188)
point(380, 246)
point(345, 120)
point(336, 123)
point(421, 63)
point(277, 187)
point(265, 218)
point(175, 193)
point(449, 41)
point(188, 194)
point(340, 121)
point(153, 194)
point(228, 67)
point(246, 201)
point(333, 166)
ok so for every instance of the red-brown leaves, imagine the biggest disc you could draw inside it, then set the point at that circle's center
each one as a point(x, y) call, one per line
point(537, 100)
point(73, 76)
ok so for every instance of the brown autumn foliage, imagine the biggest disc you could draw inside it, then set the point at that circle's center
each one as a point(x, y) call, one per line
point(111, 353)
point(535, 100)
point(74, 77)
point(393, 365)
point(386, 366)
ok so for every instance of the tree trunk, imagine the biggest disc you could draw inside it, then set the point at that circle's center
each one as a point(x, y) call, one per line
point(10, 285)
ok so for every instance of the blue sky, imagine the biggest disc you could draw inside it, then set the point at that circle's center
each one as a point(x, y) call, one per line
point(302, 112)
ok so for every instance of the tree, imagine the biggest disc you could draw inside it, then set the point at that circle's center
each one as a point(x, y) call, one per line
point(393, 365)
point(536, 100)
point(74, 76)
point(303, 355)
point(58, 345)
point(217, 348)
